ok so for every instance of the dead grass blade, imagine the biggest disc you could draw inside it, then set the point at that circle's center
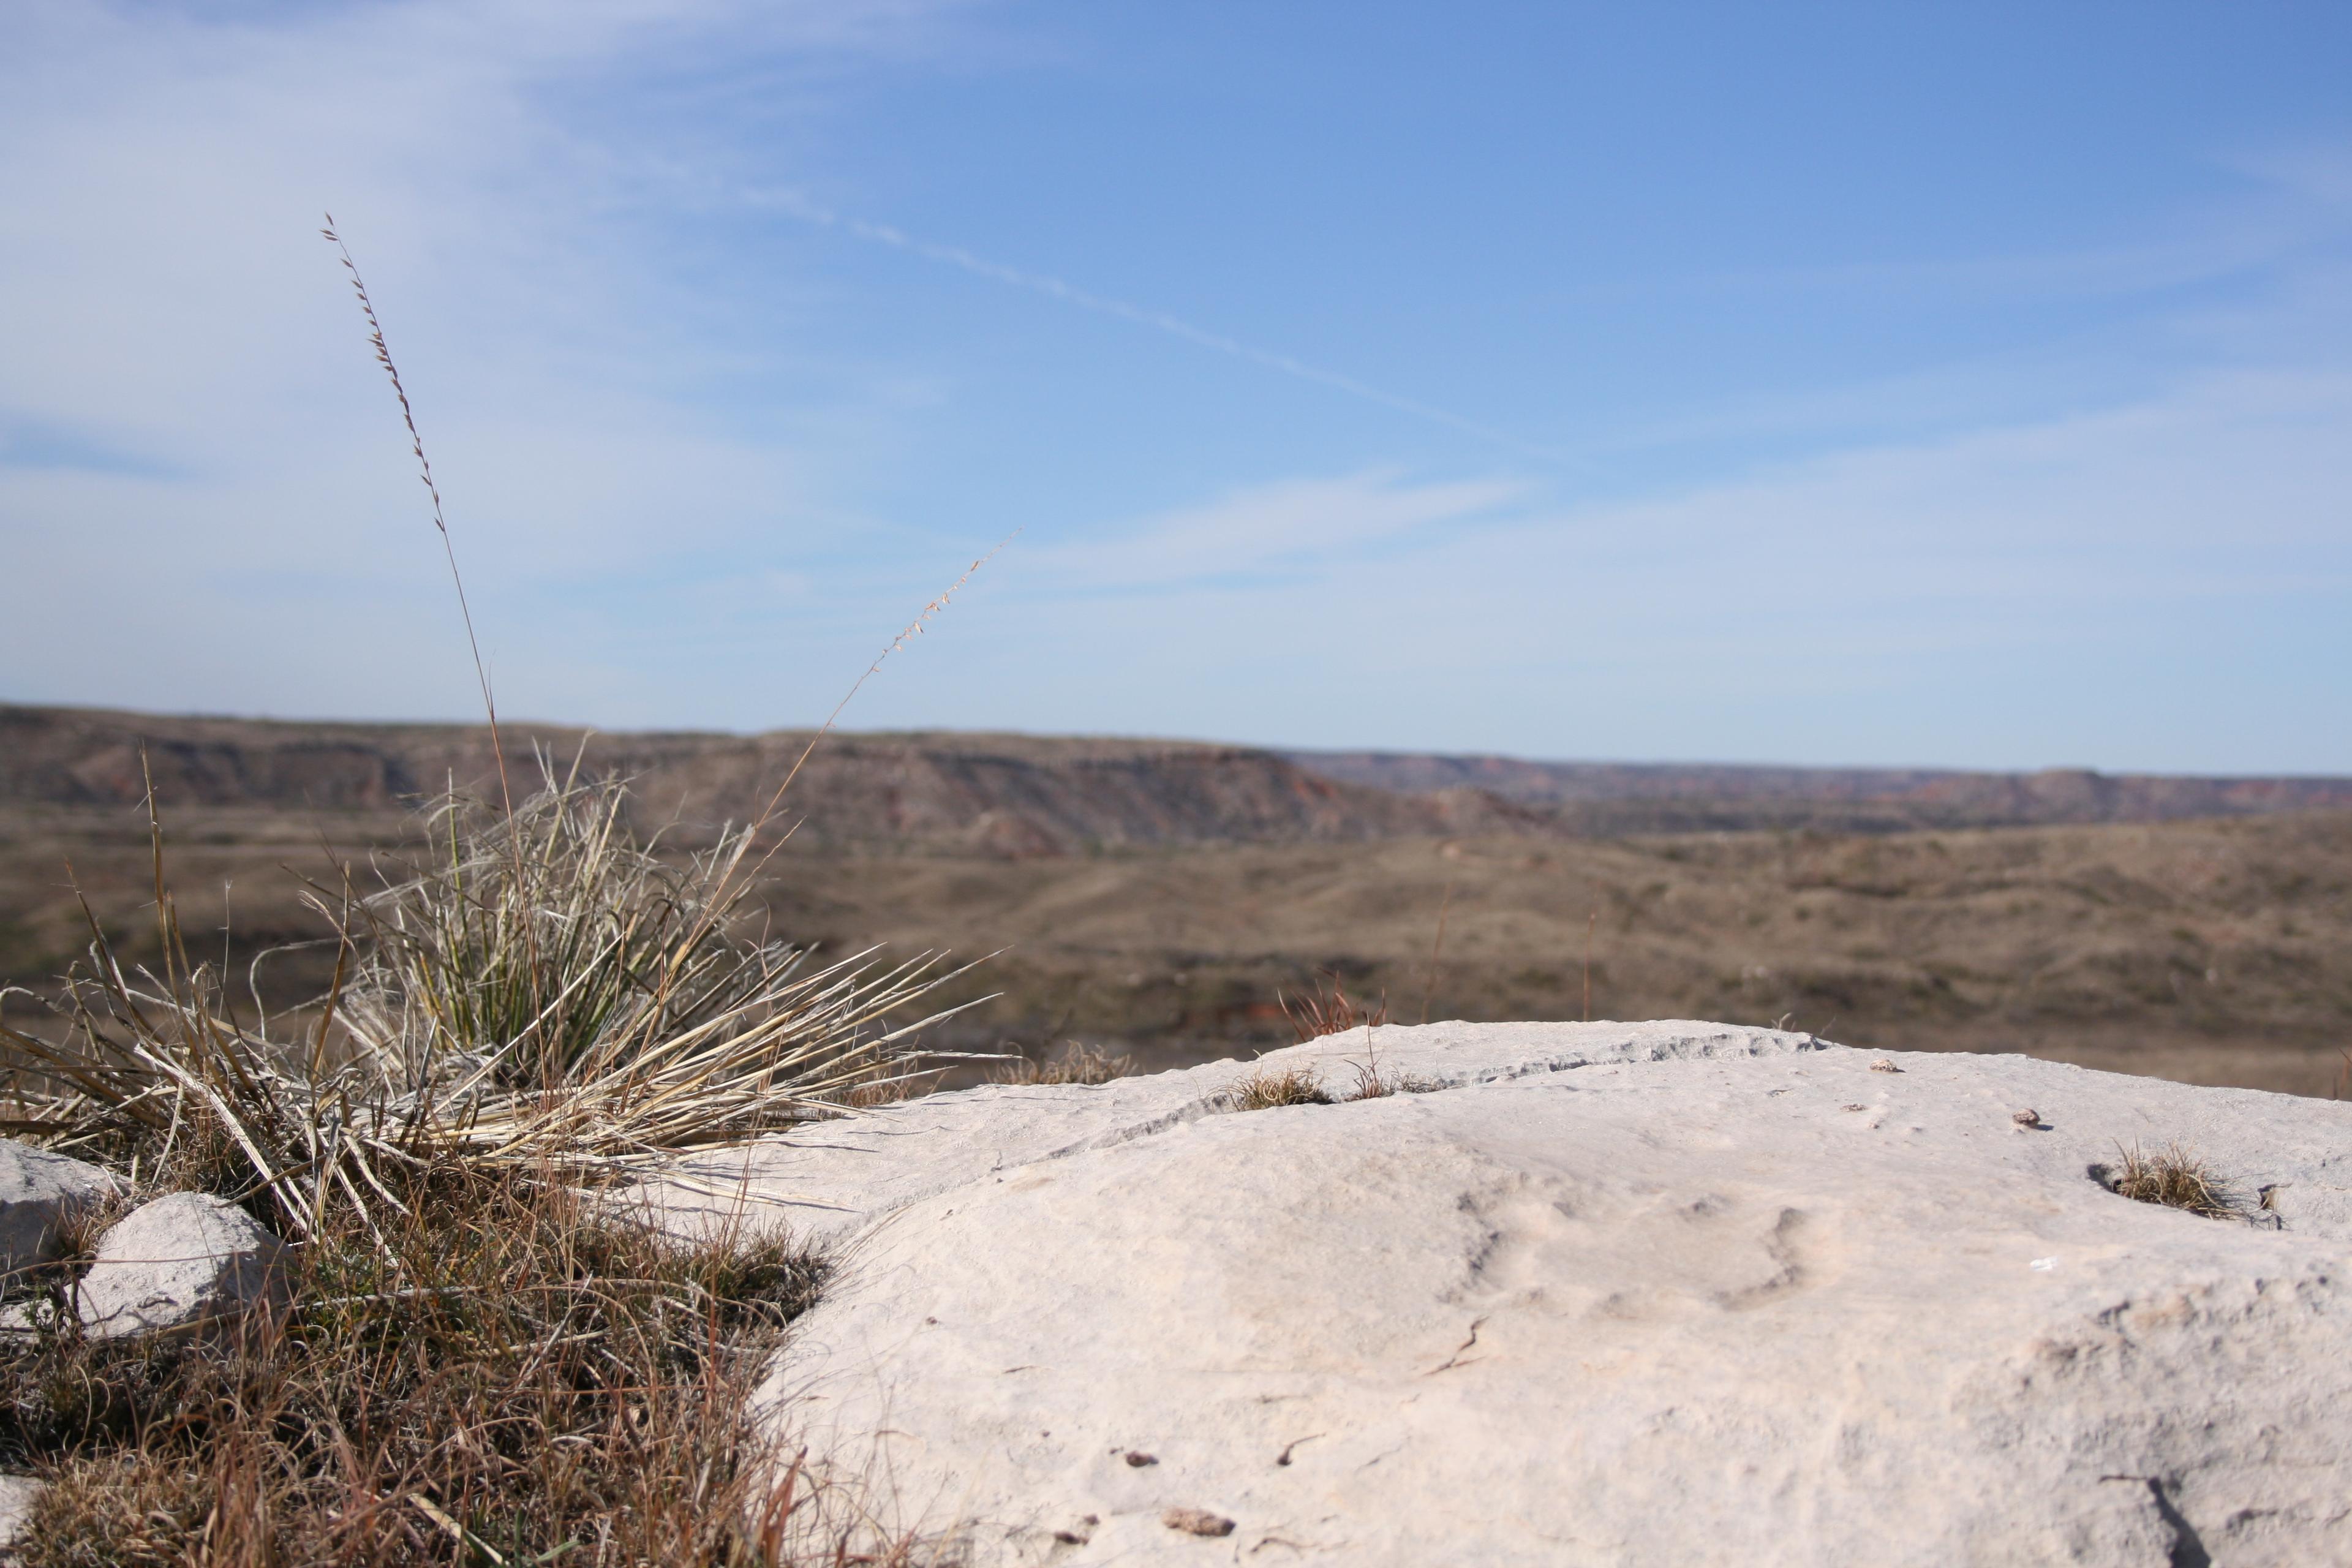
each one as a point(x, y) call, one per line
point(1330, 1011)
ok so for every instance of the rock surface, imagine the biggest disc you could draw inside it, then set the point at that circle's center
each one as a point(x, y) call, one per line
point(175, 1263)
point(36, 1189)
point(1659, 1293)
point(17, 1495)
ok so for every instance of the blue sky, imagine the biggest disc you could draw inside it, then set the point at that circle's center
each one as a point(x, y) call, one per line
point(1962, 384)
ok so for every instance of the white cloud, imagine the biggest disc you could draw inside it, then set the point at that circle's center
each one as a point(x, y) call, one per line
point(2166, 584)
point(1287, 525)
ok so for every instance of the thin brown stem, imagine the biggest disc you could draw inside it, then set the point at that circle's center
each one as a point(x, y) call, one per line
point(912, 630)
point(425, 472)
point(1590, 917)
point(1436, 951)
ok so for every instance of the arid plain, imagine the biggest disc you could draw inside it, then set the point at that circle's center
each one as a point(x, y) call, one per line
point(1161, 898)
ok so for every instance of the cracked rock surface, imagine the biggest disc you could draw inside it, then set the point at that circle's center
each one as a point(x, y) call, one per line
point(1657, 1293)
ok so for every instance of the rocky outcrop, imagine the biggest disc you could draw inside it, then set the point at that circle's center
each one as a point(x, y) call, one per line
point(176, 1263)
point(1609, 799)
point(38, 1191)
point(1662, 1294)
point(1016, 796)
point(1020, 796)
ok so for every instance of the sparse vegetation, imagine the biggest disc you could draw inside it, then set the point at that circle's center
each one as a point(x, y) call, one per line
point(485, 1361)
point(504, 1373)
point(2174, 1176)
point(1096, 939)
point(1075, 1063)
point(1371, 1083)
point(1269, 1087)
point(1330, 1010)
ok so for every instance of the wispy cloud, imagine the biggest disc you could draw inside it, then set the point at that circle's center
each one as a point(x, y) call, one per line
point(190, 432)
point(689, 483)
point(1291, 526)
point(2160, 585)
point(801, 209)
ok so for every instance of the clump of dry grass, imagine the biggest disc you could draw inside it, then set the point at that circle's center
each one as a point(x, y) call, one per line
point(1270, 1087)
point(1329, 1011)
point(2174, 1176)
point(547, 994)
point(483, 1363)
point(503, 1372)
point(1374, 1083)
point(1075, 1063)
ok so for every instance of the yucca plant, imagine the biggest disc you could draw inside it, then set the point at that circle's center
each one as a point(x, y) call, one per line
point(557, 952)
point(547, 995)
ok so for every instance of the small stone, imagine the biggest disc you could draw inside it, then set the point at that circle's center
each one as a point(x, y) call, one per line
point(1197, 1521)
point(2027, 1118)
point(1856, 1107)
point(178, 1261)
point(38, 1191)
point(1882, 1065)
point(1140, 1459)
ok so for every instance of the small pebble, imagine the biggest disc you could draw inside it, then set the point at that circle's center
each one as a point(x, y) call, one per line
point(1140, 1459)
point(1857, 1108)
point(1197, 1521)
point(2027, 1118)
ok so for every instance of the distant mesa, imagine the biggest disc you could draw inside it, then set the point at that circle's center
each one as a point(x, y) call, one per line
point(1612, 799)
point(1025, 795)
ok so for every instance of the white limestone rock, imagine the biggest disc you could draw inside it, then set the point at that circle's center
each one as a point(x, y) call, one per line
point(1661, 1293)
point(176, 1263)
point(38, 1190)
point(17, 1495)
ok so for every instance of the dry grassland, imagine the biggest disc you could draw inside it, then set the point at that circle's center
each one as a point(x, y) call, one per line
point(2216, 952)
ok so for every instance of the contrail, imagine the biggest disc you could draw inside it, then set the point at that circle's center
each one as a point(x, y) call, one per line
point(796, 207)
